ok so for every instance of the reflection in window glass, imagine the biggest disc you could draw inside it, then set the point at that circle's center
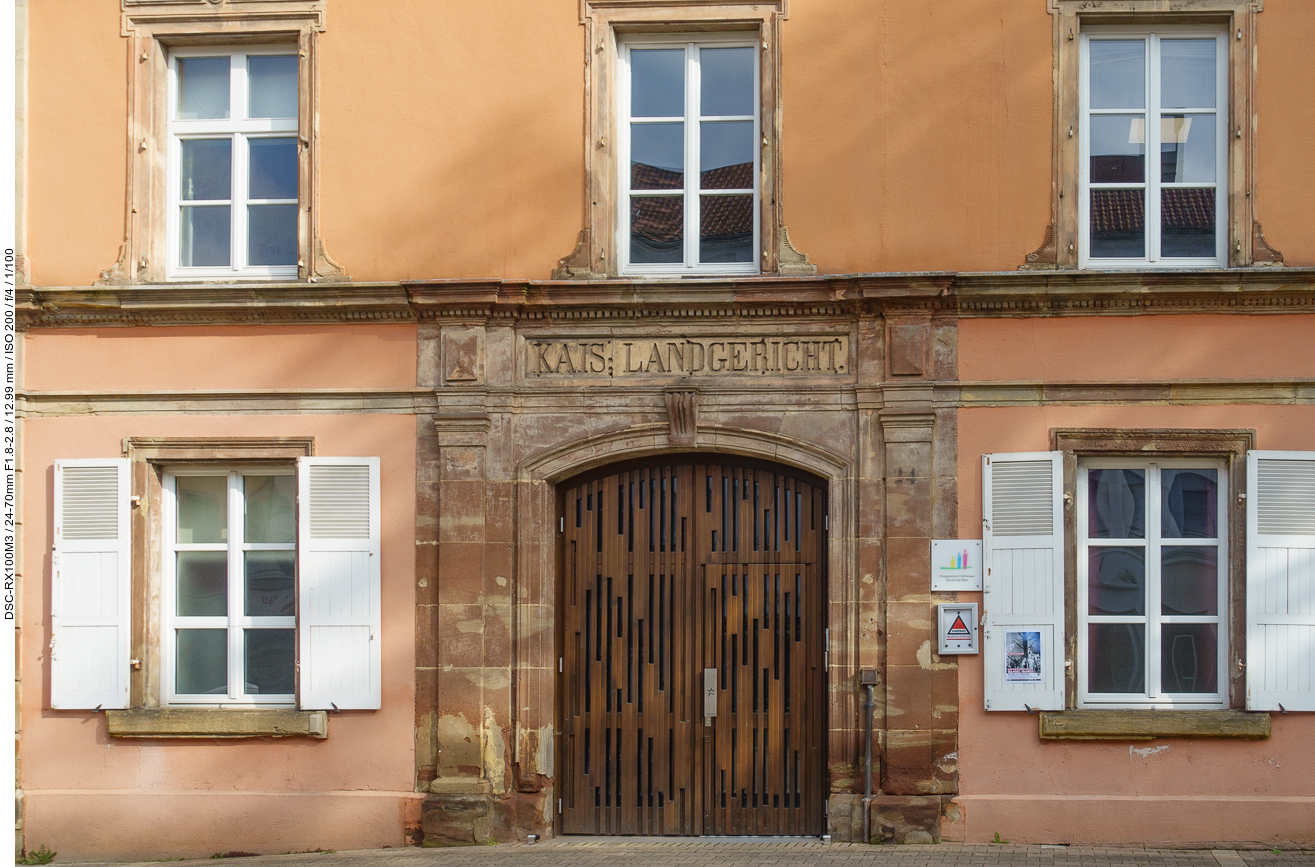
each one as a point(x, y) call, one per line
point(203, 88)
point(273, 85)
point(1189, 508)
point(202, 662)
point(1116, 580)
point(1116, 504)
point(1187, 657)
point(1116, 657)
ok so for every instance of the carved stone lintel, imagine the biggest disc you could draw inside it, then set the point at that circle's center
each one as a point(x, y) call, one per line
point(1261, 252)
point(1045, 257)
point(791, 262)
point(682, 414)
point(118, 274)
point(325, 270)
point(576, 266)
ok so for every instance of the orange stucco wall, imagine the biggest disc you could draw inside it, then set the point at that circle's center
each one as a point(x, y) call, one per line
point(917, 136)
point(1164, 790)
point(220, 357)
point(351, 790)
point(1137, 348)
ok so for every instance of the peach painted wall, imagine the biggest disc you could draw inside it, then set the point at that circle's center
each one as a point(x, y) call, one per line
point(295, 782)
point(220, 357)
point(1155, 791)
point(1137, 348)
point(917, 136)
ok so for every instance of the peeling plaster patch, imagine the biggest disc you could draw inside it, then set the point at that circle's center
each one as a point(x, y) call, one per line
point(543, 758)
point(924, 659)
point(470, 626)
point(949, 763)
point(424, 582)
point(867, 579)
point(939, 710)
point(502, 582)
point(494, 748)
point(1146, 752)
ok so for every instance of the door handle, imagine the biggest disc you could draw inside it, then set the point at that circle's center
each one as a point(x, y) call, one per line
point(709, 695)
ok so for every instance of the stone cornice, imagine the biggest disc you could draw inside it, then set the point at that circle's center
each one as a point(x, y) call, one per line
point(1025, 293)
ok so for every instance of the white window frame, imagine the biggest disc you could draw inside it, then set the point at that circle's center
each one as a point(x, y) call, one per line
point(240, 129)
point(1151, 179)
point(692, 44)
point(1153, 698)
point(235, 622)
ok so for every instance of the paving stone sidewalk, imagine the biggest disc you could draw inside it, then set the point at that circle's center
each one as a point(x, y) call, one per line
point(730, 852)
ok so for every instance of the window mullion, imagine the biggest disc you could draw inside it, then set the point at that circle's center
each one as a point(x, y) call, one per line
point(1153, 594)
point(1153, 148)
point(235, 587)
point(692, 143)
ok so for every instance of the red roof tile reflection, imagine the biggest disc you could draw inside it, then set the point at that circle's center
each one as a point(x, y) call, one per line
point(1121, 211)
point(660, 218)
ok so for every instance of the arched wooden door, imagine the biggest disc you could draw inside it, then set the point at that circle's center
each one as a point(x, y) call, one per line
point(691, 628)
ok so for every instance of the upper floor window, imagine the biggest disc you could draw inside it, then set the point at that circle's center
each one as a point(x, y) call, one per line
point(234, 179)
point(1153, 166)
point(689, 125)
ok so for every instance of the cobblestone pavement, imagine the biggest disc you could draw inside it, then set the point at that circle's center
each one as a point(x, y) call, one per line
point(731, 852)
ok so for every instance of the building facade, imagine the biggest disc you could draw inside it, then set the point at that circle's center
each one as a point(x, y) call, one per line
point(416, 449)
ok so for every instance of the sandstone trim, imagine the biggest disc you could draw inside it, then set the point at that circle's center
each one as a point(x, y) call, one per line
point(217, 723)
point(1144, 725)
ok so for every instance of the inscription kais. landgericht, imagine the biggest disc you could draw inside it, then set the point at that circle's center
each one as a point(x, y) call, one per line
point(811, 355)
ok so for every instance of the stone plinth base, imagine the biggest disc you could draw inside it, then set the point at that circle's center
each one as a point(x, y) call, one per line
point(452, 819)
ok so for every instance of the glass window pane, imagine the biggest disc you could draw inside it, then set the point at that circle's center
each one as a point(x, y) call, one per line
point(203, 87)
point(202, 509)
point(1189, 580)
point(1188, 656)
point(1187, 149)
point(270, 588)
point(204, 236)
point(726, 161)
point(269, 661)
point(1116, 504)
point(1189, 508)
point(206, 170)
point(726, 81)
point(1187, 73)
point(657, 156)
point(1116, 581)
point(1116, 657)
point(202, 662)
point(270, 504)
point(726, 229)
point(1187, 223)
point(273, 83)
point(1118, 224)
point(1118, 73)
point(657, 229)
point(273, 168)
point(273, 235)
point(1118, 149)
point(657, 82)
point(202, 583)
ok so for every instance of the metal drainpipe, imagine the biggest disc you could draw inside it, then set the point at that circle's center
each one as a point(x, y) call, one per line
point(867, 772)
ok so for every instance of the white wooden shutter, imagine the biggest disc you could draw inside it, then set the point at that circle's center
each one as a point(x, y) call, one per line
point(1280, 580)
point(1023, 551)
point(338, 575)
point(90, 587)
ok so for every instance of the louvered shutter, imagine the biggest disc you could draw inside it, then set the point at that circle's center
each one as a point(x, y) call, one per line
point(1023, 599)
point(90, 587)
point(1280, 580)
point(338, 575)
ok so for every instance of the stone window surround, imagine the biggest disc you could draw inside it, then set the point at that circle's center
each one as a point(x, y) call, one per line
point(152, 28)
point(1102, 724)
point(145, 718)
point(596, 255)
point(1246, 242)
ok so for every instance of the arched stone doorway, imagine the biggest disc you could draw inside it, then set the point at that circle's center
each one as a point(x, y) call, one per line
point(691, 622)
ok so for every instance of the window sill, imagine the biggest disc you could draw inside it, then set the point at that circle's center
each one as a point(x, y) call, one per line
point(1145, 725)
point(217, 723)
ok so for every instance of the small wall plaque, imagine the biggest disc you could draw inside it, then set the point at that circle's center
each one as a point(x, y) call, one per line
point(956, 564)
point(956, 626)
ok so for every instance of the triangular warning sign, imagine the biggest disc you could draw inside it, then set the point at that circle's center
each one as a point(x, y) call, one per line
point(957, 629)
